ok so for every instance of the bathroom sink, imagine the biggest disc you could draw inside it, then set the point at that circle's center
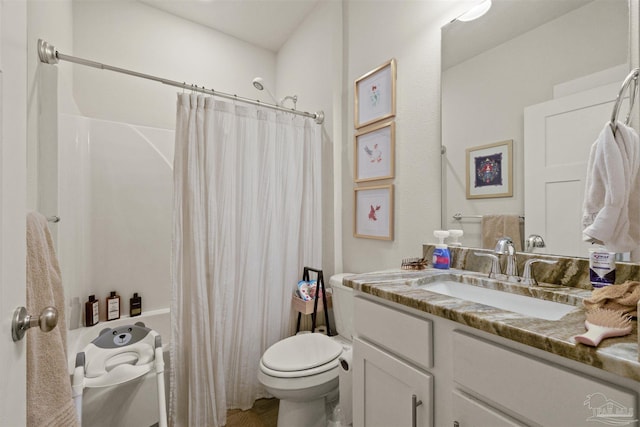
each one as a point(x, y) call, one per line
point(526, 305)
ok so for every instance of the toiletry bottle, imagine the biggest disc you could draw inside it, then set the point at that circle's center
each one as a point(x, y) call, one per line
point(113, 306)
point(135, 305)
point(441, 255)
point(602, 267)
point(92, 311)
point(454, 235)
point(74, 313)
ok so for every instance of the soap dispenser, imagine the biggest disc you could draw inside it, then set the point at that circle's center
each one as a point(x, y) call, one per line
point(455, 235)
point(441, 255)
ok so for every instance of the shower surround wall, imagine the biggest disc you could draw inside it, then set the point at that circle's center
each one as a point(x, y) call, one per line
point(115, 204)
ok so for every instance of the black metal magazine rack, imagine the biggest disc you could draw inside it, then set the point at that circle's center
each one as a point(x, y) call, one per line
point(320, 290)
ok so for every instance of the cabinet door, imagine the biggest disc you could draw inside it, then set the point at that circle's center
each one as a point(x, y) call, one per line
point(468, 412)
point(383, 390)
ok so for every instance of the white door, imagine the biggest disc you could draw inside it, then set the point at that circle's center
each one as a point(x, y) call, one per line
point(383, 390)
point(558, 135)
point(13, 137)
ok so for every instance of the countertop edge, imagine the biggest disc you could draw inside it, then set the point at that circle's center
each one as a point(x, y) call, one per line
point(615, 355)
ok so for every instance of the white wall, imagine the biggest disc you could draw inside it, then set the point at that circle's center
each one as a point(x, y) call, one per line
point(101, 248)
point(116, 201)
point(310, 65)
point(410, 32)
point(50, 21)
point(138, 37)
point(488, 93)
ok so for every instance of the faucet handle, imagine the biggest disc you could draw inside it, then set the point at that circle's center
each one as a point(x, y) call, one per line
point(495, 264)
point(533, 241)
point(528, 277)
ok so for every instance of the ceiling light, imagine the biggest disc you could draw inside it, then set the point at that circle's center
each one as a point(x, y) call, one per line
point(475, 12)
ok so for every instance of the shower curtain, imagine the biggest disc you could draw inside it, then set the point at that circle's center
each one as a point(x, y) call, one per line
point(247, 218)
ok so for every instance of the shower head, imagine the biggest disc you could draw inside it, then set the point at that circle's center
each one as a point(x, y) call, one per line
point(258, 83)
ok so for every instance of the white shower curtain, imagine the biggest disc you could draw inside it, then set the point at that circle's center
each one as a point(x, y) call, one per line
point(247, 218)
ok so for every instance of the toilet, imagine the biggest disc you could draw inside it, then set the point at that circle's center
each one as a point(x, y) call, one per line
point(302, 371)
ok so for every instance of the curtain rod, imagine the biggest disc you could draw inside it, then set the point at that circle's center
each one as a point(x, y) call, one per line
point(49, 55)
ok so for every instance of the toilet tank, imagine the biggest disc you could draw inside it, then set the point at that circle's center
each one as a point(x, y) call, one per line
point(342, 305)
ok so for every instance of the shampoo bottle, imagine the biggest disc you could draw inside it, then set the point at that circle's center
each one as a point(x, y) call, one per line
point(113, 306)
point(91, 311)
point(135, 305)
point(441, 255)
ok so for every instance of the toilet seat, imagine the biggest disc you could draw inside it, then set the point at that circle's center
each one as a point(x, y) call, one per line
point(300, 356)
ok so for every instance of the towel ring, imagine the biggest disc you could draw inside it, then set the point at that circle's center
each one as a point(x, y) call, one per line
point(631, 78)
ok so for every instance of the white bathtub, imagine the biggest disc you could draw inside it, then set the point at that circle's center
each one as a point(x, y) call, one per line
point(131, 404)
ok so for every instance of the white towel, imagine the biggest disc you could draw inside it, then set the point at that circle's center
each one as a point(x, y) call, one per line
point(611, 207)
point(49, 400)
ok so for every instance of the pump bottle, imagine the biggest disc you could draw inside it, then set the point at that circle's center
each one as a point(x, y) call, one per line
point(441, 255)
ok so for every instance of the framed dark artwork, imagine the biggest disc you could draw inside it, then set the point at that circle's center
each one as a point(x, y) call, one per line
point(490, 170)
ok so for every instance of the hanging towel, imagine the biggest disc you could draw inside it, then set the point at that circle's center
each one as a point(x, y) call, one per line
point(49, 401)
point(611, 207)
point(495, 227)
point(623, 298)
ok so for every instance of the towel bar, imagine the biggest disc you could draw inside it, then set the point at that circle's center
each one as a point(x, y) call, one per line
point(458, 216)
point(631, 78)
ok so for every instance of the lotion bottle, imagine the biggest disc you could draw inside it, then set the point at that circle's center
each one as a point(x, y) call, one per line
point(91, 311)
point(113, 306)
point(441, 255)
point(135, 305)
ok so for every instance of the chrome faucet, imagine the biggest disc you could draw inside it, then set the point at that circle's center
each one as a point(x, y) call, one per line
point(532, 242)
point(494, 272)
point(527, 277)
point(505, 247)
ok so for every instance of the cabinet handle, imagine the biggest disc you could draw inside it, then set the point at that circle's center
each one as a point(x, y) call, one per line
point(414, 410)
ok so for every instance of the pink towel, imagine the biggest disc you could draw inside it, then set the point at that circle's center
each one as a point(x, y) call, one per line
point(496, 226)
point(49, 401)
point(623, 298)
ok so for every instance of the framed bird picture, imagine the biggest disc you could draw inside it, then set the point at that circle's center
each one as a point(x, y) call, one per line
point(373, 213)
point(374, 152)
point(375, 95)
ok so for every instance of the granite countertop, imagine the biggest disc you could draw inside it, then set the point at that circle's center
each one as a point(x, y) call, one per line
point(615, 355)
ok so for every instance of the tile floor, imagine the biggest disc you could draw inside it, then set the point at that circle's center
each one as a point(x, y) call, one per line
point(263, 414)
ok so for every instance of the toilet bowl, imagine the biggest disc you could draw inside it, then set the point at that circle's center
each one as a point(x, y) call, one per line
point(302, 370)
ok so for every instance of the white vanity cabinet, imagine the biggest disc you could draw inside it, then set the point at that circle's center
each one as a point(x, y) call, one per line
point(391, 386)
point(468, 378)
point(535, 391)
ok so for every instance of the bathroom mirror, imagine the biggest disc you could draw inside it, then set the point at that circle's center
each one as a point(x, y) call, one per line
point(519, 56)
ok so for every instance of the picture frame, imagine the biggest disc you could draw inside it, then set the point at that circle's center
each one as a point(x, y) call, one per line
point(374, 152)
point(375, 95)
point(373, 212)
point(489, 170)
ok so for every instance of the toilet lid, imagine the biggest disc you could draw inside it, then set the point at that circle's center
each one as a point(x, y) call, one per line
point(301, 352)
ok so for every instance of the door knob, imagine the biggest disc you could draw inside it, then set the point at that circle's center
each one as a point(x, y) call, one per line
point(22, 321)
